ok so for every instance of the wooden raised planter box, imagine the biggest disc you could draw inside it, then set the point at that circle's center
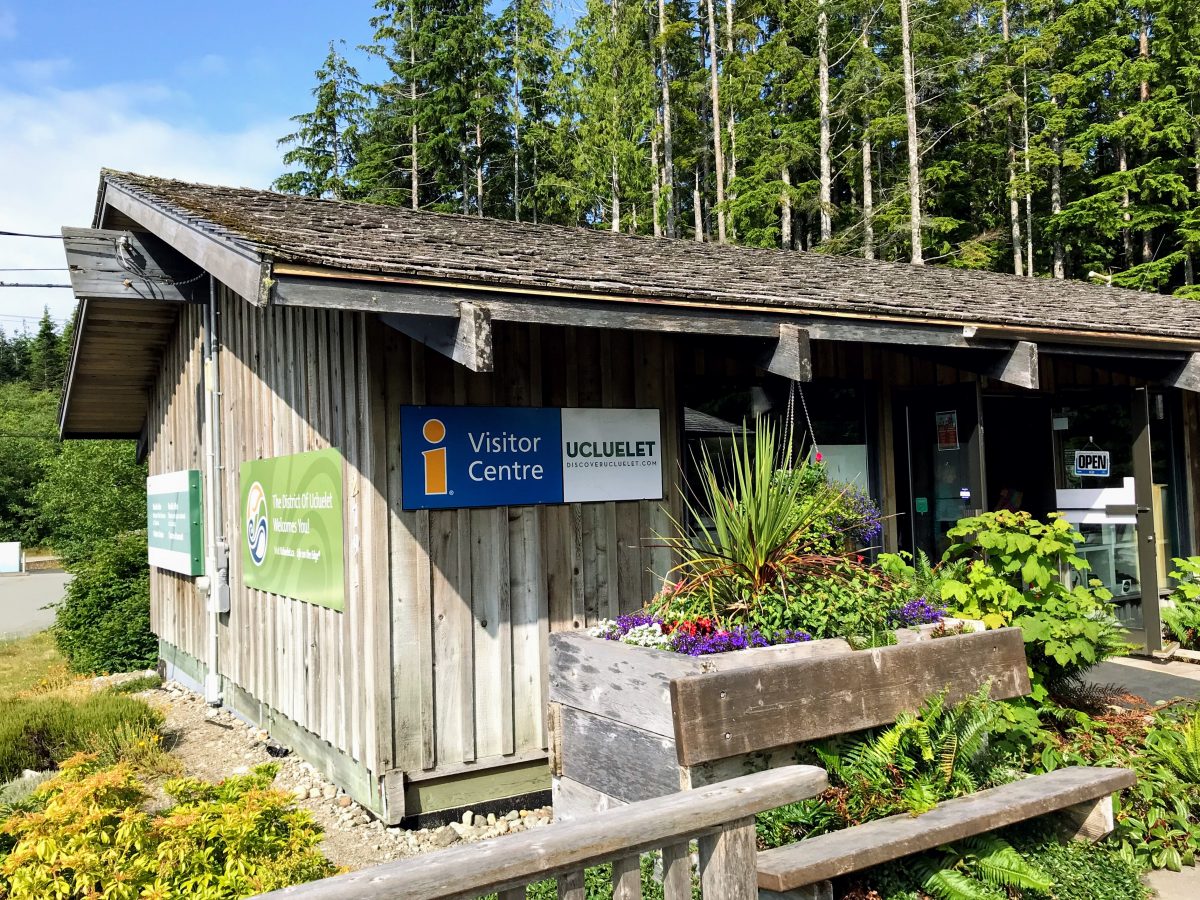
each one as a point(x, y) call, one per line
point(631, 723)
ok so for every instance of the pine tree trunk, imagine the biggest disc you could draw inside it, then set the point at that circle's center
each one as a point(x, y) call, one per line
point(729, 117)
point(414, 180)
point(668, 177)
point(785, 210)
point(1189, 271)
point(616, 196)
point(826, 187)
point(715, 93)
point(1126, 234)
point(697, 210)
point(1014, 205)
point(479, 170)
point(868, 202)
point(914, 148)
point(1060, 256)
point(1028, 177)
point(1144, 54)
point(655, 183)
point(517, 116)
point(868, 187)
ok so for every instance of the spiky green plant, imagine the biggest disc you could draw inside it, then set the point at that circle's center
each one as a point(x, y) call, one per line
point(976, 868)
point(748, 530)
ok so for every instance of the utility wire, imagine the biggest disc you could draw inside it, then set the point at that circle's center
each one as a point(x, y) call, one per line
point(51, 237)
point(39, 269)
point(4, 284)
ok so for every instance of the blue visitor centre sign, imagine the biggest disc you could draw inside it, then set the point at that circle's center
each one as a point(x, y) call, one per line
point(453, 457)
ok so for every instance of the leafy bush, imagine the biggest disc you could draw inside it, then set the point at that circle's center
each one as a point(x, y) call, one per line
point(39, 732)
point(1181, 619)
point(1013, 577)
point(103, 624)
point(88, 836)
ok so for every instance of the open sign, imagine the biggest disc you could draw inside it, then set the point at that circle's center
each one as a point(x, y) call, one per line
point(1092, 463)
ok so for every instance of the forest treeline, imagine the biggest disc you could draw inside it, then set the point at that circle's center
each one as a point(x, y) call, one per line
point(72, 496)
point(1042, 137)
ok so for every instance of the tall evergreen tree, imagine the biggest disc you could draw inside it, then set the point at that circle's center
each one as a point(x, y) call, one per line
point(325, 144)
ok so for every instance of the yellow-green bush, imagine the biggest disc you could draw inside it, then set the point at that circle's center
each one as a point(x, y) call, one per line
point(88, 835)
point(39, 731)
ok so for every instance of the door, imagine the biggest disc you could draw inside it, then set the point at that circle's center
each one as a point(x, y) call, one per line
point(942, 436)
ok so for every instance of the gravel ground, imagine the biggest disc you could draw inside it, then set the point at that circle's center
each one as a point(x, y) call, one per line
point(214, 745)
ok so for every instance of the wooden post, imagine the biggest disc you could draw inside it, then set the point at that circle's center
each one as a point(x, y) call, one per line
point(727, 862)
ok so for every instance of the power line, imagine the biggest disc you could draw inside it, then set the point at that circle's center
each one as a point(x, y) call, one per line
point(4, 284)
point(52, 237)
point(39, 269)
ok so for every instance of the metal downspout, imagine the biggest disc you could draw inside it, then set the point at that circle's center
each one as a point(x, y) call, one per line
point(216, 551)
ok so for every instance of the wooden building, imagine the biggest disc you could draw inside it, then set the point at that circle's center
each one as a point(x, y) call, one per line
point(219, 327)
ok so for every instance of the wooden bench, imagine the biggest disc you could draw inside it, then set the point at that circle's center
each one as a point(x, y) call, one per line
point(719, 818)
point(1083, 794)
point(744, 711)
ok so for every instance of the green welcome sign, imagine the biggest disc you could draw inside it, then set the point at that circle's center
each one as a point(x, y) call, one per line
point(175, 522)
point(292, 527)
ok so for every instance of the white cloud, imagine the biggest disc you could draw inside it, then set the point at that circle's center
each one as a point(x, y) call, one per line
point(40, 71)
point(54, 143)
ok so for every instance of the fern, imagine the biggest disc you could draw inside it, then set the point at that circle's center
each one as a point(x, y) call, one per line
point(984, 866)
point(1179, 750)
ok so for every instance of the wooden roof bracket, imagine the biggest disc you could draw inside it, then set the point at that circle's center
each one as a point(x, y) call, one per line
point(238, 266)
point(1018, 365)
point(121, 265)
point(1187, 376)
point(466, 339)
point(790, 354)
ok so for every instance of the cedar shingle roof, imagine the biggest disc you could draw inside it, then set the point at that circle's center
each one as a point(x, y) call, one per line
point(394, 241)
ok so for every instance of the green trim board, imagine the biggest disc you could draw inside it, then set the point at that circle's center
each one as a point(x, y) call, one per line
point(293, 526)
point(175, 522)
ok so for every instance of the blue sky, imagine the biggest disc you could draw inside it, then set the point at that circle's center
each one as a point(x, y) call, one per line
point(197, 91)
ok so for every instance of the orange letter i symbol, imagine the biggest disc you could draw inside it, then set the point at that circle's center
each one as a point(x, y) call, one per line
point(434, 431)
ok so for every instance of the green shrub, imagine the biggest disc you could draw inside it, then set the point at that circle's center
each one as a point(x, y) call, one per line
point(1014, 578)
point(103, 624)
point(39, 732)
point(1181, 620)
point(88, 836)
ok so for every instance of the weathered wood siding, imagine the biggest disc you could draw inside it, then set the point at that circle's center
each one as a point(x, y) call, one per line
point(471, 616)
point(439, 657)
point(292, 380)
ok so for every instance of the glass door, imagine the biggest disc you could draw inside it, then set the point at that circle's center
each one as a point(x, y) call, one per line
point(942, 432)
point(1105, 486)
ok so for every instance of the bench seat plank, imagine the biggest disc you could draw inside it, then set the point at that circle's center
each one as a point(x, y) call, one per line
point(853, 849)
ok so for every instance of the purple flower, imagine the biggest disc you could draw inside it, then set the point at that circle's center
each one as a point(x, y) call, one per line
point(736, 638)
point(916, 612)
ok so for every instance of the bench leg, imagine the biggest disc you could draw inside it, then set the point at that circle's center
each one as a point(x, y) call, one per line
point(1089, 821)
point(822, 890)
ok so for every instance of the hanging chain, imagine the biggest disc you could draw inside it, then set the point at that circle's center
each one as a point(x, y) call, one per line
point(807, 418)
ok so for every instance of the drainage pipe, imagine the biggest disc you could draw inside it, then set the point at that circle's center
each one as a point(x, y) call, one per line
point(216, 550)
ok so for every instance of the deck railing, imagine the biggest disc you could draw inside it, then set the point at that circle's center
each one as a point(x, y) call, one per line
point(720, 818)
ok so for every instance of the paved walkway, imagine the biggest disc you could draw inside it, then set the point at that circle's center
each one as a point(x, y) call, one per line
point(27, 601)
point(1158, 682)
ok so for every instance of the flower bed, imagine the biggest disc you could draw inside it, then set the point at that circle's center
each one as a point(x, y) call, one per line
point(693, 637)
